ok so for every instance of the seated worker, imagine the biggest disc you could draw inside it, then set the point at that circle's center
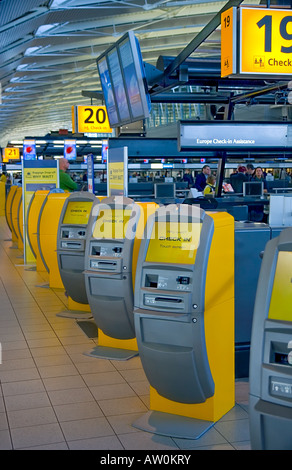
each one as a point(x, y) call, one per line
point(249, 171)
point(237, 179)
point(209, 189)
point(66, 181)
point(259, 176)
point(201, 178)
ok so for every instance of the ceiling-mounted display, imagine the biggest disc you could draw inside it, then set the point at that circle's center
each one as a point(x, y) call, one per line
point(123, 82)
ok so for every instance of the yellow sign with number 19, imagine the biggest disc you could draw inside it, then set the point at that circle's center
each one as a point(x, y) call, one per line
point(265, 41)
point(228, 42)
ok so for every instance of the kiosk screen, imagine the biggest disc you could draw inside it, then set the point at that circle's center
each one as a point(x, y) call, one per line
point(77, 212)
point(112, 223)
point(174, 242)
point(281, 299)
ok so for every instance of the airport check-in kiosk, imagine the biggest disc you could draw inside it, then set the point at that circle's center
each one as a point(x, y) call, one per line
point(17, 217)
point(8, 210)
point(47, 229)
point(270, 401)
point(71, 243)
point(2, 198)
point(184, 312)
point(33, 211)
point(110, 264)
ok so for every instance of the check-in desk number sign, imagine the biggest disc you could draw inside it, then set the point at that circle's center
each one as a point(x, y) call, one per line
point(92, 119)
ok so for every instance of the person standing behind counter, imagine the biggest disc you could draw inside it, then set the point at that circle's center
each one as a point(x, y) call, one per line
point(259, 176)
point(201, 178)
point(66, 181)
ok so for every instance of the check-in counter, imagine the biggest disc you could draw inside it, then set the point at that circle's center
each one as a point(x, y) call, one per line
point(270, 382)
point(47, 230)
point(184, 319)
point(71, 240)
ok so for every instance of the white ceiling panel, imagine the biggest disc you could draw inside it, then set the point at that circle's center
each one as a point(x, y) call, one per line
point(48, 51)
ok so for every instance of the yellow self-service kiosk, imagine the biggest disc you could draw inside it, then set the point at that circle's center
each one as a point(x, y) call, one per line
point(270, 378)
point(33, 212)
point(2, 198)
point(47, 230)
point(20, 224)
point(71, 239)
point(8, 210)
point(114, 234)
point(184, 319)
point(15, 214)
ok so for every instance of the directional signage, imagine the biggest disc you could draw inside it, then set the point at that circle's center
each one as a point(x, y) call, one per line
point(256, 41)
point(228, 42)
point(266, 41)
point(90, 119)
point(11, 153)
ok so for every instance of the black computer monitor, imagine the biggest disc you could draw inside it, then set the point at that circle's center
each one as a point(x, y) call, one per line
point(123, 82)
point(162, 190)
point(253, 188)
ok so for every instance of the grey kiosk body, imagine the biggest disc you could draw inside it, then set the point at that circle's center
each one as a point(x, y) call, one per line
point(71, 240)
point(169, 312)
point(270, 401)
point(108, 265)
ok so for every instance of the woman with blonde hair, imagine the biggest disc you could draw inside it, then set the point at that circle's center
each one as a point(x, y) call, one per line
point(209, 189)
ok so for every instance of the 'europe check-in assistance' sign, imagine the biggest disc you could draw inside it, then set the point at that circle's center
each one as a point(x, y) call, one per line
point(261, 45)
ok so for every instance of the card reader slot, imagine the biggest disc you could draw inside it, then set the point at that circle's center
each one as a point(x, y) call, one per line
point(73, 244)
point(110, 265)
point(168, 299)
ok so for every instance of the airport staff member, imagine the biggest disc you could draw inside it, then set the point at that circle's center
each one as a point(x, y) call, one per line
point(66, 181)
point(201, 178)
point(188, 178)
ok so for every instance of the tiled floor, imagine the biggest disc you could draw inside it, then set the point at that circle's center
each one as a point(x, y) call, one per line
point(52, 396)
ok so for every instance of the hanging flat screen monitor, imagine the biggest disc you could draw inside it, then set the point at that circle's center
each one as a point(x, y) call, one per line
point(123, 82)
point(253, 188)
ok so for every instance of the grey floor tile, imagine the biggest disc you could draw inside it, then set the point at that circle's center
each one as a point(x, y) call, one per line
point(31, 417)
point(86, 428)
point(107, 392)
point(77, 411)
point(62, 370)
point(234, 431)
point(23, 387)
point(3, 421)
point(103, 378)
point(16, 375)
point(63, 383)
point(36, 435)
point(5, 440)
point(210, 438)
point(123, 424)
point(55, 446)
point(99, 443)
point(62, 397)
point(122, 405)
point(27, 401)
